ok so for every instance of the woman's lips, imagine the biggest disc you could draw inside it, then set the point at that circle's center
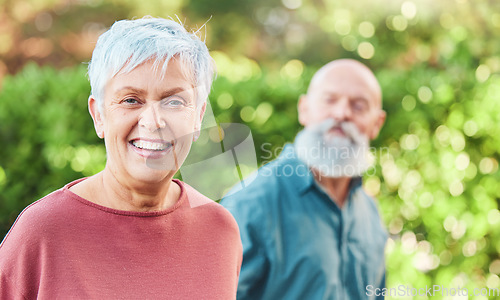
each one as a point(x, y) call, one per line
point(151, 148)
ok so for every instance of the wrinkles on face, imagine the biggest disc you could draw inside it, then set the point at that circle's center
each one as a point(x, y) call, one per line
point(345, 92)
point(149, 117)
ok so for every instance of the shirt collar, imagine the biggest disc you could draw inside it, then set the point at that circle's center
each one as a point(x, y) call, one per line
point(301, 177)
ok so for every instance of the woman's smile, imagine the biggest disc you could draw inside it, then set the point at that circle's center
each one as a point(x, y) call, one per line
point(151, 148)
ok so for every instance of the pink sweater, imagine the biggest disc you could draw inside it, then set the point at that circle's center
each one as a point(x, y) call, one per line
point(65, 247)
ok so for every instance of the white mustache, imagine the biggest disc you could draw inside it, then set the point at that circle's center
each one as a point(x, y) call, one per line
point(349, 128)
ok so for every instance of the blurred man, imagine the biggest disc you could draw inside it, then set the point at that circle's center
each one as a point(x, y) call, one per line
point(309, 230)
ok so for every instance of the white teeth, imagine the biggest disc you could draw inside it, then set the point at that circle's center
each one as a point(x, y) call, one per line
point(149, 145)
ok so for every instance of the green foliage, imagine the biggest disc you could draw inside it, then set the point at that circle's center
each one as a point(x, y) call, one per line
point(437, 155)
point(48, 137)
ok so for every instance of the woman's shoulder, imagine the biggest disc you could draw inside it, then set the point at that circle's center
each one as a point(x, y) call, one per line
point(192, 196)
point(41, 209)
point(41, 216)
point(205, 208)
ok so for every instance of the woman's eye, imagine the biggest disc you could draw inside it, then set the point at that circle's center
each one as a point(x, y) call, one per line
point(130, 101)
point(174, 101)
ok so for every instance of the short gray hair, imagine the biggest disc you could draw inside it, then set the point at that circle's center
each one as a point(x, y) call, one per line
point(129, 43)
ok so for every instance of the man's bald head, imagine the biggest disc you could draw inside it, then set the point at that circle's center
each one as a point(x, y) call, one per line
point(347, 66)
point(344, 90)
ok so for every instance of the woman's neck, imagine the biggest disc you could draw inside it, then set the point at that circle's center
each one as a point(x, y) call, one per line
point(107, 190)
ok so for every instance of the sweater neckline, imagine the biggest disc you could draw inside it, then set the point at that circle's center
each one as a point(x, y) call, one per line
point(106, 209)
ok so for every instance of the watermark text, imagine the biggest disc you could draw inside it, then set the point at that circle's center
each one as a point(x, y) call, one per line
point(429, 291)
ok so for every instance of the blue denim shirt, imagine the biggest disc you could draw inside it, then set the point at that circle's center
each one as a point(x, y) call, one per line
point(298, 244)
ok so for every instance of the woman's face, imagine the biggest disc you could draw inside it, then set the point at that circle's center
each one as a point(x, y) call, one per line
point(148, 121)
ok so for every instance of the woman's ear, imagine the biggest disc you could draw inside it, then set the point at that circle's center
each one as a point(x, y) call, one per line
point(199, 119)
point(97, 116)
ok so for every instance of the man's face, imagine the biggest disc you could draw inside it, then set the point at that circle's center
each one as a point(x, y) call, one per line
point(147, 121)
point(341, 113)
point(345, 94)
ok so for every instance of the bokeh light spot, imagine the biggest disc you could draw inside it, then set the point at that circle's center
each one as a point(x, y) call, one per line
point(456, 188)
point(216, 134)
point(459, 230)
point(462, 161)
point(408, 103)
point(493, 219)
point(482, 73)
point(426, 200)
point(263, 112)
point(409, 141)
point(372, 186)
point(424, 94)
point(43, 21)
point(36, 47)
point(5, 42)
point(457, 142)
point(495, 267)
point(470, 128)
point(449, 223)
point(396, 225)
point(225, 100)
point(443, 135)
point(399, 23)
point(292, 4)
point(409, 10)
point(408, 242)
point(366, 50)
point(343, 27)
point(247, 113)
point(493, 282)
point(423, 52)
point(469, 248)
point(445, 257)
point(488, 165)
point(350, 43)
point(366, 29)
point(292, 69)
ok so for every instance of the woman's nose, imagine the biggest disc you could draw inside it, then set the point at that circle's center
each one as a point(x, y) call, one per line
point(151, 118)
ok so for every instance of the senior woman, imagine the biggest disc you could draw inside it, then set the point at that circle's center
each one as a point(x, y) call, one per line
point(132, 231)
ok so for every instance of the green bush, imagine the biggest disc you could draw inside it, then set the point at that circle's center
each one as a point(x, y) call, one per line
point(437, 155)
point(48, 136)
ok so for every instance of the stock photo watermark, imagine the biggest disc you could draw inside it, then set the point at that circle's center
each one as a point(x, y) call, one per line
point(429, 291)
point(344, 160)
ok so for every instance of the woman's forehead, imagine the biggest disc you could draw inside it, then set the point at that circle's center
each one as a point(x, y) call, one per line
point(148, 77)
point(173, 71)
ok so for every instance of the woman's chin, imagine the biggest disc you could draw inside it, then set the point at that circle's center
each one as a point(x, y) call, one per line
point(162, 164)
point(152, 176)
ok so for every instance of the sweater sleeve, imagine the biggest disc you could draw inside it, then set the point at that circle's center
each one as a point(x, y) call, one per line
point(8, 291)
point(20, 255)
point(15, 272)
